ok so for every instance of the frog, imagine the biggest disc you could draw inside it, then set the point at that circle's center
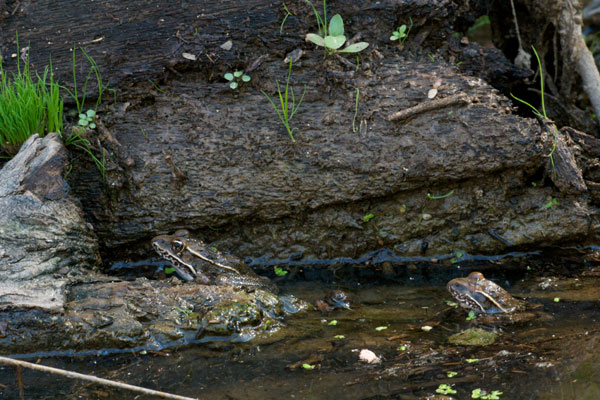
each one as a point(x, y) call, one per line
point(482, 295)
point(193, 260)
point(333, 300)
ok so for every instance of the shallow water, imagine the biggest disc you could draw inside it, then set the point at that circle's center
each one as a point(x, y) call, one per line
point(553, 356)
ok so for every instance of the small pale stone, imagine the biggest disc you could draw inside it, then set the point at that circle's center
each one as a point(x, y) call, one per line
point(368, 356)
point(227, 45)
point(189, 56)
point(426, 217)
point(432, 93)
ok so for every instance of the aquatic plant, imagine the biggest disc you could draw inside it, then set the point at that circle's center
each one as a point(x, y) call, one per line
point(482, 394)
point(286, 112)
point(334, 38)
point(445, 389)
point(28, 105)
point(236, 78)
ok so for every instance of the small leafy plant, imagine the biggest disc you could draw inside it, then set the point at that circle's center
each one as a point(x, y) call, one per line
point(286, 112)
point(235, 78)
point(445, 389)
point(401, 33)
point(482, 394)
point(543, 113)
point(87, 120)
point(334, 38)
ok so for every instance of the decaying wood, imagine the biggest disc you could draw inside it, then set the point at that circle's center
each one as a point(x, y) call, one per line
point(555, 29)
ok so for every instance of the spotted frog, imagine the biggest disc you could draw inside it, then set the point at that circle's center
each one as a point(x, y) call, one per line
point(193, 260)
point(483, 296)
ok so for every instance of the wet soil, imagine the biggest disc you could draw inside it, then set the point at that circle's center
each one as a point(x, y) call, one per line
point(551, 357)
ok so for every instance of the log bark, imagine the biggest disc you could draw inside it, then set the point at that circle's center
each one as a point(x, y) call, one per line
point(187, 151)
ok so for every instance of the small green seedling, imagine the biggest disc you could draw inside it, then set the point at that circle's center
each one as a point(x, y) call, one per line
point(368, 217)
point(442, 196)
point(451, 303)
point(235, 78)
point(87, 120)
point(457, 256)
point(381, 328)
point(471, 316)
point(183, 311)
point(169, 270)
point(557, 299)
point(472, 360)
point(451, 374)
point(335, 38)
point(308, 366)
point(482, 394)
point(339, 336)
point(445, 389)
point(552, 202)
point(280, 271)
point(401, 34)
point(333, 322)
point(402, 348)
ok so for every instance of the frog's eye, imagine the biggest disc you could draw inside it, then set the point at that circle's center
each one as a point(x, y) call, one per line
point(177, 246)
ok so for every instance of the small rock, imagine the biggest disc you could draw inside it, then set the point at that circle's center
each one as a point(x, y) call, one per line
point(368, 356)
point(227, 45)
point(189, 56)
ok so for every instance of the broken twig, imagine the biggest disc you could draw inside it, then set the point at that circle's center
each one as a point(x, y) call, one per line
point(429, 106)
point(91, 378)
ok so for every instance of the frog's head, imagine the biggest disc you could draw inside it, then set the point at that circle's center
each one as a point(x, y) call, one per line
point(477, 293)
point(174, 248)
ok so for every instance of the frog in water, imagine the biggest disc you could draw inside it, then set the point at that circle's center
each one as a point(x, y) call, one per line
point(482, 296)
point(193, 260)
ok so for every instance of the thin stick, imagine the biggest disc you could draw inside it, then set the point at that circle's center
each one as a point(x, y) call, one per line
point(90, 378)
point(429, 106)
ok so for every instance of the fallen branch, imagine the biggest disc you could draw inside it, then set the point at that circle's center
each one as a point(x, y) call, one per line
point(459, 98)
point(90, 378)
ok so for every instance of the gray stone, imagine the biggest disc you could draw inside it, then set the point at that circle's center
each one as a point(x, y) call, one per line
point(44, 240)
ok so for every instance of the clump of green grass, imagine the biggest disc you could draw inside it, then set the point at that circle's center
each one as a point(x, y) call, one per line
point(286, 110)
point(28, 104)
